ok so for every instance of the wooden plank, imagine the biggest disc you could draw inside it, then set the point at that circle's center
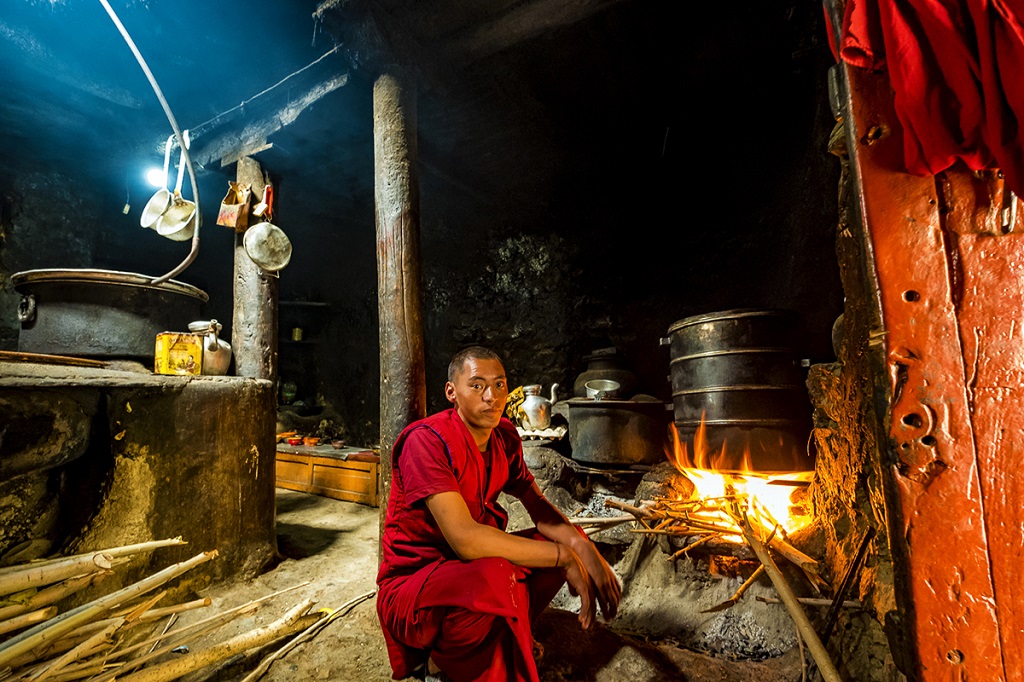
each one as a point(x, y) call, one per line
point(989, 244)
point(346, 483)
point(935, 505)
point(295, 471)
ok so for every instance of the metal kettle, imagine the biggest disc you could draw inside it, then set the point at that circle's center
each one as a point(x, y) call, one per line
point(216, 351)
point(536, 409)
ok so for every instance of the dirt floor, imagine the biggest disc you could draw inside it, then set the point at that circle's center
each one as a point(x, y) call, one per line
point(329, 551)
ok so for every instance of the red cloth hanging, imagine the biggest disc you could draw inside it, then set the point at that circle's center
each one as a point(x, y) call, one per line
point(956, 73)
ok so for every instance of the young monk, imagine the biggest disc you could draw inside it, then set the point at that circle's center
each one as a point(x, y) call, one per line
point(456, 593)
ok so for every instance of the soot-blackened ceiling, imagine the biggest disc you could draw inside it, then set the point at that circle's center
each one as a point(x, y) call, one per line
point(527, 99)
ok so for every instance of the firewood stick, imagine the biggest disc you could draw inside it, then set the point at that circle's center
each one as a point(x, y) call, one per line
point(601, 520)
point(305, 635)
point(157, 614)
point(194, 629)
point(37, 573)
point(27, 619)
point(844, 587)
point(113, 552)
point(30, 575)
point(731, 601)
point(789, 599)
point(79, 673)
point(163, 633)
point(50, 595)
point(86, 648)
point(292, 622)
point(686, 550)
point(638, 512)
point(813, 601)
point(66, 622)
point(82, 633)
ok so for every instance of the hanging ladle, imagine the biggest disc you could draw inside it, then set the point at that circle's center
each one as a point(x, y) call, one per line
point(176, 222)
point(161, 200)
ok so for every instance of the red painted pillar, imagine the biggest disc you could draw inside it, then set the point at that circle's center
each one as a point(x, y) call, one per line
point(949, 267)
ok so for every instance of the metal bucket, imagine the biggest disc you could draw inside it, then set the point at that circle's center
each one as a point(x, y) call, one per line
point(738, 373)
point(618, 432)
point(100, 313)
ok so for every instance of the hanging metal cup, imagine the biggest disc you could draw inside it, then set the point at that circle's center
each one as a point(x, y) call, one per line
point(176, 222)
point(156, 206)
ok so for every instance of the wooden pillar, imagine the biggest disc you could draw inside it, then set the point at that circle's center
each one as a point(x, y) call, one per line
point(396, 198)
point(254, 323)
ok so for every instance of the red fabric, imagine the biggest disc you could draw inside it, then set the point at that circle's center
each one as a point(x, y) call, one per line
point(473, 614)
point(955, 69)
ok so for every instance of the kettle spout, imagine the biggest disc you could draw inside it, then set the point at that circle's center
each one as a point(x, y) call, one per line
point(212, 338)
point(554, 394)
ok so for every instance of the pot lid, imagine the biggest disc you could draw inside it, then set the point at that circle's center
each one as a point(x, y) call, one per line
point(268, 246)
point(111, 277)
point(625, 404)
point(738, 313)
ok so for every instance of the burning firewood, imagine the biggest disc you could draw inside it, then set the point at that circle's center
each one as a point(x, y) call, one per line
point(714, 516)
point(789, 599)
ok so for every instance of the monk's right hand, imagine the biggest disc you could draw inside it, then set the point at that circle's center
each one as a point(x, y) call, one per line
point(579, 584)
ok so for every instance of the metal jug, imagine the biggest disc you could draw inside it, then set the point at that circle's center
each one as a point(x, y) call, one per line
point(216, 351)
point(536, 409)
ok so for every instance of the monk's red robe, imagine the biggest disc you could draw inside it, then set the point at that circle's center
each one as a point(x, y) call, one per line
point(472, 617)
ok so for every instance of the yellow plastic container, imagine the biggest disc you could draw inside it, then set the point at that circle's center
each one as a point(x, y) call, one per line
point(178, 353)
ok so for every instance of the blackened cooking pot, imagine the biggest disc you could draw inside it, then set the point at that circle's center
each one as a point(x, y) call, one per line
point(100, 313)
point(618, 432)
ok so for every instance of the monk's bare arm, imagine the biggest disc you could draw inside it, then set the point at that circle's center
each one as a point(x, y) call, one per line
point(553, 525)
point(471, 540)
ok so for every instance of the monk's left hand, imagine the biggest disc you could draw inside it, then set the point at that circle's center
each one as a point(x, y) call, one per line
point(606, 584)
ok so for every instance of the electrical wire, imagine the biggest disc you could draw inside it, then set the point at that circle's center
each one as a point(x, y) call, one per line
point(196, 129)
point(177, 133)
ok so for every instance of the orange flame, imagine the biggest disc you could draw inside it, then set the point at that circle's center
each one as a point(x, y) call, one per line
point(770, 495)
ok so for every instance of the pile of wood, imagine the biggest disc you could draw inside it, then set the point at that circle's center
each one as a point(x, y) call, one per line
point(732, 519)
point(127, 634)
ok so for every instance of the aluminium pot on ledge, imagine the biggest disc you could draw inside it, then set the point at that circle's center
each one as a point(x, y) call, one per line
point(619, 432)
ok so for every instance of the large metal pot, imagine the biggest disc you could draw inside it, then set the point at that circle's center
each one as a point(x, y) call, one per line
point(618, 432)
point(736, 374)
point(737, 368)
point(100, 313)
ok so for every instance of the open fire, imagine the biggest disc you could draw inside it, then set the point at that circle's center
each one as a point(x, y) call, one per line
point(720, 493)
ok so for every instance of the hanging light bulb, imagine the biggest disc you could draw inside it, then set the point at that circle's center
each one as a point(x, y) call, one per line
point(156, 177)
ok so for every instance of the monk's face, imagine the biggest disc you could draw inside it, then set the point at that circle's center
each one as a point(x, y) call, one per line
point(478, 393)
